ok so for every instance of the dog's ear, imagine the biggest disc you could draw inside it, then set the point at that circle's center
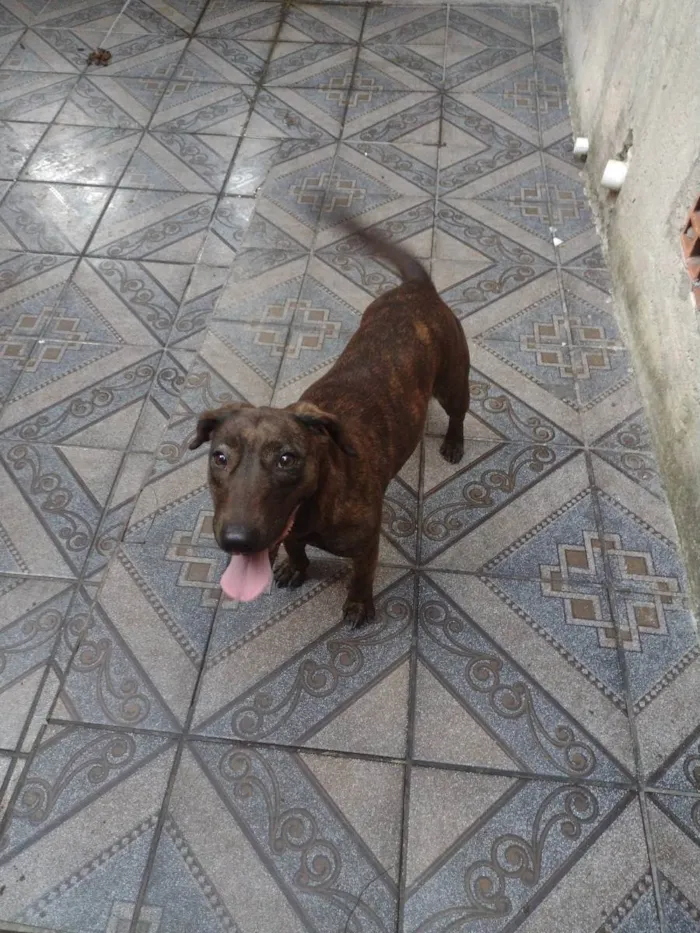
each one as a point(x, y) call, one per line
point(321, 422)
point(210, 420)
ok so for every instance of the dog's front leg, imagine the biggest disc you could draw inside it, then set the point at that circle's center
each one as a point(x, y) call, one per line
point(359, 606)
point(292, 571)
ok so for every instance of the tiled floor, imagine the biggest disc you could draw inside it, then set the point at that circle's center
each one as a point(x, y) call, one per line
point(515, 744)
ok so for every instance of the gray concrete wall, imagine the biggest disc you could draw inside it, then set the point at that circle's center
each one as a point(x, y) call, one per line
point(632, 65)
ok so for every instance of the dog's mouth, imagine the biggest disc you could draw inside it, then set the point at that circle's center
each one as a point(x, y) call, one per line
point(250, 575)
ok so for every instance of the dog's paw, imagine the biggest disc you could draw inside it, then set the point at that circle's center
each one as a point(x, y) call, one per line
point(286, 574)
point(452, 451)
point(355, 615)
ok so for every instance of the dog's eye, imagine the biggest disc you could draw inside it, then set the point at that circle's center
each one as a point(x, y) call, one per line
point(219, 459)
point(286, 460)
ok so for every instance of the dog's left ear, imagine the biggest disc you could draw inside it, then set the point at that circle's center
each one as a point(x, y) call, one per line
point(321, 422)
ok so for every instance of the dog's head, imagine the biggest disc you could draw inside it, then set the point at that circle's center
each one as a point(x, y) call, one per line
point(263, 463)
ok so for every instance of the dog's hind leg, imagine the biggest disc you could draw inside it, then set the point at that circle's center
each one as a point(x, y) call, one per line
point(452, 392)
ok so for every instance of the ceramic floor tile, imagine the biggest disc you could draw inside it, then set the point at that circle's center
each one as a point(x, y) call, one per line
point(640, 536)
point(250, 21)
point(38, 96)
point(199, 107)
point(80, 829)
point(53, 51)
point(120, 302)
point(477, 260)
point(46, 218)
point(17, 142)
point(297, 113)
point(418, 25)
point(33, 611)
point(408, 221)
point(195, 311)
point(212, 58)
point(158, 225)
point(468, 64)
point(256, 157)
point(293, 674)
point(82, 155)
point(376, 116)
point(81, 394)
point(228, 227)
point(145, 56)
point(174, 19)
point(181, 162)
point(551, 644)
point(524, 510)
point(9, 35)
point(102, 100)
point(55, 497)
point(260, 291)
point(313, 23)
point(628, 447)
point(346, 812)
point(385, 66)
point(132, 475)
point(590, 841)
point(31, 287)
point(676, 841)
point(163, 398)
point(327, 66)
point(138, 657)
point(14, 353)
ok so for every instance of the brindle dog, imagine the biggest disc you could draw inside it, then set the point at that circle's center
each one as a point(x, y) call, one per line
point(315, 473)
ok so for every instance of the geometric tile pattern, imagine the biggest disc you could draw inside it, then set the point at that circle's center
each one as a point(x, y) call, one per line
point(173, 760)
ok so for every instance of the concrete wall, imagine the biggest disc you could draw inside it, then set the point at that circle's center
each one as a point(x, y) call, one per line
point(633, 65)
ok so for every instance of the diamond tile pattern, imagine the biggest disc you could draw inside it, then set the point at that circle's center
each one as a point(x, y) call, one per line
point(173, 761)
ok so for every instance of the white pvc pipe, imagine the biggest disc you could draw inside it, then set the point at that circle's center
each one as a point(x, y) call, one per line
point(581, 146)
point(614, 175)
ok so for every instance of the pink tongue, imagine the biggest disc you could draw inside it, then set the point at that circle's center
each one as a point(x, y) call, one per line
point(247, 576)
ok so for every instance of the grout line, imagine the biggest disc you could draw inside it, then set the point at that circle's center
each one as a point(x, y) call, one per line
point(653, 865)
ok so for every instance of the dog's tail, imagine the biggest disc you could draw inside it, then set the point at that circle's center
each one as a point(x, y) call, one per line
point(408, 267)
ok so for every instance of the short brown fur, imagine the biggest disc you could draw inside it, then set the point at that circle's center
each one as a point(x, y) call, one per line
point(348, 435)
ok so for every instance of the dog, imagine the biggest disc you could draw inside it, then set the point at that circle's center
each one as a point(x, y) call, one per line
point(315, 473)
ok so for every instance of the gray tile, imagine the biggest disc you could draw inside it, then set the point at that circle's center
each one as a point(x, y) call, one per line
point(525, 677)
point(181, 162)
point(138, 655)
point(101, 100)
point(198, 306)
point(33, 95)
point(462, 826)
point(213, 59)
point(320, 682)
point(17, 142)
point(56, 496)
point(14, 352)
point(120, 301)
point(33, 612)
point(80, 394)
point(46, 218)
point(82, 155)
point(345, 812)
point(81, 826)
point(203, 107)
point(158, 225)
point(31, 287)
point(248, 21)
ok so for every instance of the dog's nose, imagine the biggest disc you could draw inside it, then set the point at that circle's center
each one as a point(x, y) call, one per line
point(237, 540)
